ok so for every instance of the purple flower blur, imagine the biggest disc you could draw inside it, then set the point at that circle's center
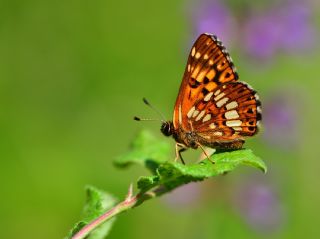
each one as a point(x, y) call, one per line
point(297, 32)
point(260, 36)
point(184, 196)
point(213, 16)
point(281, 27)
point(280, 120)
point(258, 203)
point(285, 28)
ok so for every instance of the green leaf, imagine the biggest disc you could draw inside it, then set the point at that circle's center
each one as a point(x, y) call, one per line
point(145, 150)
point(154, 154)
point(98, 202)
point(167, 175)
point(172, 174)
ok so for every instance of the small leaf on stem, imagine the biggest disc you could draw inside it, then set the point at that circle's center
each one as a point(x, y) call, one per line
point(97, 203)
point(145, 150)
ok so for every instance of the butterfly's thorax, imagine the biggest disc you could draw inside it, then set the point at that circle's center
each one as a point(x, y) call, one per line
point(187, 138)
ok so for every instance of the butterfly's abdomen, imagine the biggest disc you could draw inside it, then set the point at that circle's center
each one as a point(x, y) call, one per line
point(225, 146)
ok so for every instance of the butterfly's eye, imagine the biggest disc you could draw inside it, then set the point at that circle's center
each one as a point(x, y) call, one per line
point(167, 128)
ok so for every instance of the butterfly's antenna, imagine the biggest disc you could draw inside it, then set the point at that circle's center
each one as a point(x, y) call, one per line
point(145, 119)
point(155, 109)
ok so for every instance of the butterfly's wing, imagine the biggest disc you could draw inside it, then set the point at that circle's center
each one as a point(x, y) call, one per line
point(209, 66)
point(211, 102)
point(230, 113)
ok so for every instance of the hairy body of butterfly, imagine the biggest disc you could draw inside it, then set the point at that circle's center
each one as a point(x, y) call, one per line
point(213, 108)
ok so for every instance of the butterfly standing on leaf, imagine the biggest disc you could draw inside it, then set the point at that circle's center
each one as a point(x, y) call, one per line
point(212, 109)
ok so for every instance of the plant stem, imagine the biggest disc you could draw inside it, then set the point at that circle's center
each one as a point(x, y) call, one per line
point(129, 202)
point(123, 206)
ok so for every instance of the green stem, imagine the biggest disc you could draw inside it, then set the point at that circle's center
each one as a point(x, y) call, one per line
point(129, 202)
point(121, 207)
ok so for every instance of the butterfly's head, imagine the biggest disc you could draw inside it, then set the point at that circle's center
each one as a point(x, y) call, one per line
point(167, 128)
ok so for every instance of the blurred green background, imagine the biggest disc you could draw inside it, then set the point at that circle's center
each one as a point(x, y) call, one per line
point(72, 75)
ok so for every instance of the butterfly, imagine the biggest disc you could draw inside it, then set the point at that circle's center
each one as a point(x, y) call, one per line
point(213, 109)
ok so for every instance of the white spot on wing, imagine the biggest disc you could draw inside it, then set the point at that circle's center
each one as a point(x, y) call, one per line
point(195, 113)
point(218, 133)
point(217, 92)
point(193, 52)
point(212, 125)
point(229, 58)
point(206, 118)
point(208, 96)
point(232, 114)
point(221, 102)
point(200, 115)
point(232, 105)
point(180, 114)
point(191, 111)
point(218, 97)
point(237, 128)
point(232, 123)
point(259, 109)
point(258, 123)
point(198, 55)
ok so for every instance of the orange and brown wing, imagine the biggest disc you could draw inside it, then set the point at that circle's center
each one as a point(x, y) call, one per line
point(229, 113)
point(209, 66)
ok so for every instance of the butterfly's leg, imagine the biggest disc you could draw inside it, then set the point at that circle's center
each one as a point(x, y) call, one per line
point(209, 151)
point(205, 153)
point(179, 148)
